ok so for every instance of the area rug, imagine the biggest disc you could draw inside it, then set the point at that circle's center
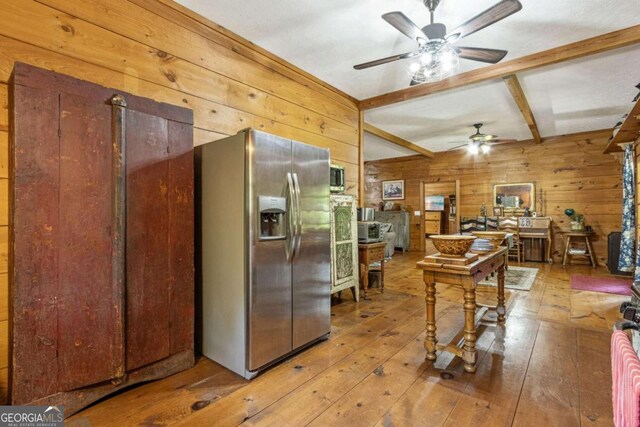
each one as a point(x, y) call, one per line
point(605, 284)
point(518, 278)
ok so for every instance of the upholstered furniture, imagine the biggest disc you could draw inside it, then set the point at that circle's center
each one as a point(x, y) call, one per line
point(400, 222)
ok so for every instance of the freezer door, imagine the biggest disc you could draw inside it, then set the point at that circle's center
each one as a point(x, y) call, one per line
point(311, 263)
point(269, 272)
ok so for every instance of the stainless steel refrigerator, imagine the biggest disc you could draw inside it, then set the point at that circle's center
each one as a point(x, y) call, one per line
point(265, 248)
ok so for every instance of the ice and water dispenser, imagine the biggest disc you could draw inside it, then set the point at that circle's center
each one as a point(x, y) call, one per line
point(272, 217)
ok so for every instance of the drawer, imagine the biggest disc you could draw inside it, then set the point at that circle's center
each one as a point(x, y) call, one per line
point(432, 216)
point(431, 227)
point(376, 255)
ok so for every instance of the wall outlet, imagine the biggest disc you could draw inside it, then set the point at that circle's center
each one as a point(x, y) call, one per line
point(416, 213)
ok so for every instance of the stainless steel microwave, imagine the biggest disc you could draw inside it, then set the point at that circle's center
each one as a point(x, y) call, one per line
point(369, 232)
point(337, 179)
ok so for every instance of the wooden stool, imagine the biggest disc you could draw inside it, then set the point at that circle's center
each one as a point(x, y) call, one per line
point(586, 235)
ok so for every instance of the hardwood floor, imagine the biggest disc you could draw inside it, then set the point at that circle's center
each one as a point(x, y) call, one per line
point(549, 365)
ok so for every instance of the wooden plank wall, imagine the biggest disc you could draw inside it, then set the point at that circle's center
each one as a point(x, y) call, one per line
point(570, 170)
point(157, 50)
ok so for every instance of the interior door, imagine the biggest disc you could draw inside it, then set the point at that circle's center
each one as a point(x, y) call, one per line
point(312, 261)
point(269, 270)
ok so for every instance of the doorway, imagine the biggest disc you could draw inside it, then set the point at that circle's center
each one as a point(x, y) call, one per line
point(439, 208)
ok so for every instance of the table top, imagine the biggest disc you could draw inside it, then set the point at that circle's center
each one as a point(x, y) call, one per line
point(466, 270)
point(371, 245)
point(578, 233)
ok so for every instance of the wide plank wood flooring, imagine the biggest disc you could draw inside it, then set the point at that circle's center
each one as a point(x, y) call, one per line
point(548, 366)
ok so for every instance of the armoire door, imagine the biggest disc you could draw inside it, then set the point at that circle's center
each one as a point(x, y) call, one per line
point(101, 240)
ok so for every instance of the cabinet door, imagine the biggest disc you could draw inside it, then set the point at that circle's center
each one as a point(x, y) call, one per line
point(159, 257)
point(64, 314)
point(344, 246)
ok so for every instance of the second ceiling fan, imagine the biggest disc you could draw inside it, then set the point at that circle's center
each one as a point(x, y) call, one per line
point(438, 56)
point(480, 142)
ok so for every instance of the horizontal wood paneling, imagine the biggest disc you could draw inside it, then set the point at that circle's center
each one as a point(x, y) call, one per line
point(198, 24)
point(152, 50)
point(570, 170)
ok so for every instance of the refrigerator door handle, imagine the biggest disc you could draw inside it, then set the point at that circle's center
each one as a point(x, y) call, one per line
point(298, 214)
point(290, 249)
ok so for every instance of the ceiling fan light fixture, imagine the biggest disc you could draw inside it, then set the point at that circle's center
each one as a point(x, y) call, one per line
point(439, 61)
point(426, 59)
point(485, 148)
point(473, 148)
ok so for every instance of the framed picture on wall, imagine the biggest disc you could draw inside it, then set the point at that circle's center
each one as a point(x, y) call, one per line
point(393, 190)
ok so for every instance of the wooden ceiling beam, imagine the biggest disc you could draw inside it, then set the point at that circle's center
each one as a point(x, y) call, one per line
point(602, 43)
point(518, 95)
point(397, 140)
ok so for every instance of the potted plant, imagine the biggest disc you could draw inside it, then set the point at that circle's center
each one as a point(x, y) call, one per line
point(577, 220)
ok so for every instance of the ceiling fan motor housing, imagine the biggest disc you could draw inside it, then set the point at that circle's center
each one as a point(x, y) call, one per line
point(431, 4)
point(435, 31)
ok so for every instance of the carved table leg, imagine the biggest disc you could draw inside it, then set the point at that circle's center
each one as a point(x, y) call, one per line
point(500, 309)
point(382, 275)
point(430, 299)
point(566, 251)
point(364, 278)
point(469, 352)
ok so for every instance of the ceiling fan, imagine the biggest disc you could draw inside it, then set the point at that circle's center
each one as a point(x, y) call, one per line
point(481, 142)
point(437, 54)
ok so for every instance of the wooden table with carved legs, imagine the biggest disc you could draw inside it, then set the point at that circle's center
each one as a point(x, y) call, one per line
point(468, 276)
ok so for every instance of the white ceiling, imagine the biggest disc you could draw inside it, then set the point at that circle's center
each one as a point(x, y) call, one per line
point(438, 120)
point(378, 148)
point(326, 38)
point(582, 95)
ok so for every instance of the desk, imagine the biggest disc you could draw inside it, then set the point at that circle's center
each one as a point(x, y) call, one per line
point(468, 276)
point(369, 253)
point(586, 235)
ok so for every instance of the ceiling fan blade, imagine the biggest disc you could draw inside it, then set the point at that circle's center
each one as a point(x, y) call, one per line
point(490, 16)
point(490, 56)
point(405, 25)
point(501, 141)
point(385, 60)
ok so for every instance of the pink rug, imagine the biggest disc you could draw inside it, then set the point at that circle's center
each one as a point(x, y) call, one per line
point(609, 285)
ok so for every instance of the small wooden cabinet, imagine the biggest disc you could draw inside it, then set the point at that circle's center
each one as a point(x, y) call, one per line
point(433, 222)
point(344, 244)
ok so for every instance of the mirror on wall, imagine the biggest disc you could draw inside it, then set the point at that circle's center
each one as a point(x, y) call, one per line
point(515, 197)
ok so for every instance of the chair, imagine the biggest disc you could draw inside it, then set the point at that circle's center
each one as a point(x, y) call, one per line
point(510, 225)
point(390, 238)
